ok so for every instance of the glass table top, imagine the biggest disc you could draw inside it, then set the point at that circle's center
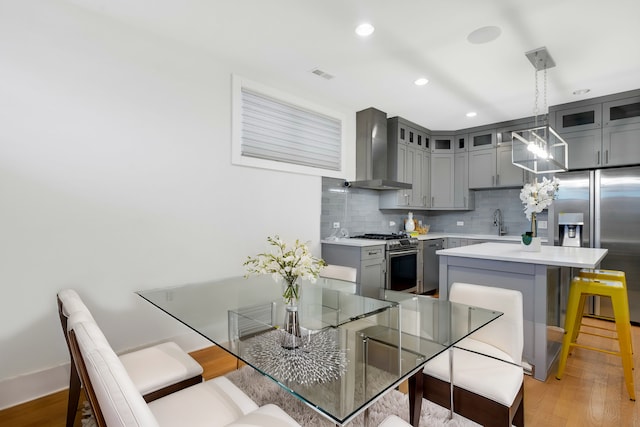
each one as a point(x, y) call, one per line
point(354, 348)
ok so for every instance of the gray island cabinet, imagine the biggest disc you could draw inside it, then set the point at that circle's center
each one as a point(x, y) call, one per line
point(509, 266)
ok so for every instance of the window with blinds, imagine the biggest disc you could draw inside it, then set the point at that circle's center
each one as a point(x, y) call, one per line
point(275, 132)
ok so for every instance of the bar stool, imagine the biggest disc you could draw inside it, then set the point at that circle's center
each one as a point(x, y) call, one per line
point(600, 274)
point(581, 287)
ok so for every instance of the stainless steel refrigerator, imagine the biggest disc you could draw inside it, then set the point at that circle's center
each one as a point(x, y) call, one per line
point(609, 200)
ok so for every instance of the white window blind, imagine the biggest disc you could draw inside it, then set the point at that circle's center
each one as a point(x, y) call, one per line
point(274, 130)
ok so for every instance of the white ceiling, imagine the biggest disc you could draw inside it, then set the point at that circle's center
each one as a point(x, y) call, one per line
point(595, 44)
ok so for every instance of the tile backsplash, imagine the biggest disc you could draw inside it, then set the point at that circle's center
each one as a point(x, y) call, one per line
point(357, 212)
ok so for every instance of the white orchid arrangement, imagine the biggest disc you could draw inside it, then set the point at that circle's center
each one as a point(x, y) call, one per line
point(288, 263)
point(538, 196)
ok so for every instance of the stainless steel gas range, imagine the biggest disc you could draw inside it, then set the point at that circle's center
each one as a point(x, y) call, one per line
point(403, 261)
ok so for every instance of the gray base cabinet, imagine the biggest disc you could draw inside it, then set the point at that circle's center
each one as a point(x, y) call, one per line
point(430, 265)
point(368, 261)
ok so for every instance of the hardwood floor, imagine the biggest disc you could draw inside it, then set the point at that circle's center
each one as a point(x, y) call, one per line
point(591, 393)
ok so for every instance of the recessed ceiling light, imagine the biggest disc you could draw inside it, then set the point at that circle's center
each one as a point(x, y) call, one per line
point(471, 114)
point(484, 35)
point(365, 29)
point(421, 81)
point(581, 91)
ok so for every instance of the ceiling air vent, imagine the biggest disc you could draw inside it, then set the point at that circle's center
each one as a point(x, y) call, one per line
point(324, 75)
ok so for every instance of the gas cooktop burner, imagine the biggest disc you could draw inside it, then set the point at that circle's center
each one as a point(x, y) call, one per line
point(393, 241)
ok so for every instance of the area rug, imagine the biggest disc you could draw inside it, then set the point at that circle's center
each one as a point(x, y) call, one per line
point(262, 390)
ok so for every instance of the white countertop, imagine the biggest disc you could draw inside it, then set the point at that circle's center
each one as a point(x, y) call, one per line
point(560, 256)
point(441, 235)
point(347, 241)
point(429, 236)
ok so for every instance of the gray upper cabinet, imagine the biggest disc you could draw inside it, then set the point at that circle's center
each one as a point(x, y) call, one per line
point(507, 174)
point(492, 167)
point(581, 128)
point(413, 166)
point(442, 143)
point(621, 145)
point(578, 118)
point(482, 140)
point(442, 180)
point(621, 112)
point(482, 168)
point(462, 199)
point(621, 132)
point(584, 149)
point(461, 143)
point(602, 132)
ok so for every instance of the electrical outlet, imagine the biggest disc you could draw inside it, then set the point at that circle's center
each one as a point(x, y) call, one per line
point(392, 223)
point(542, 225)
point(460, 223)
point(336, 225)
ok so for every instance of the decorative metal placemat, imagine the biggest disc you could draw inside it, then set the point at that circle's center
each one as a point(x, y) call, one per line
point(318, 360)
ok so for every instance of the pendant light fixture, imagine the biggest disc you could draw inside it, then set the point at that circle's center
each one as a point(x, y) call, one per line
point(540, 149)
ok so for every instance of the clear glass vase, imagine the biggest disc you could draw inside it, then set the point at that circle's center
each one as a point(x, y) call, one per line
point(534, 225)
point(291, 337)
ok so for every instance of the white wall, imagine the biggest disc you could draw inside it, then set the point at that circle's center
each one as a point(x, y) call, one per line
point(115, 176)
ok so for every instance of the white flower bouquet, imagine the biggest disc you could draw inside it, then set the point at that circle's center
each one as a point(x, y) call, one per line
point(538, 196)
point(288, 263)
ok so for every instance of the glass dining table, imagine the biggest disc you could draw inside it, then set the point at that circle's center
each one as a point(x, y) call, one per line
point(353, 349)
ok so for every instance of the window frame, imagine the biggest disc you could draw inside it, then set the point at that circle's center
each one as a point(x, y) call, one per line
point(239, 83)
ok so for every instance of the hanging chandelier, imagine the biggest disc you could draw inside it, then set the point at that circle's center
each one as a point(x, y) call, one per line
point(540, 149)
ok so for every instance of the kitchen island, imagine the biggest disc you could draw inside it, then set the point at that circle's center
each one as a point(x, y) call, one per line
point(535, 274)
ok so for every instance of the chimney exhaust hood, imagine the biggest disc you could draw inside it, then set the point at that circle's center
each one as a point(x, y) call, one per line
point(376, 155)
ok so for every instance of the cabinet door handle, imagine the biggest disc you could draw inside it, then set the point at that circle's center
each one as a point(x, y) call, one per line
point(606, 157)
point(498, 179)
point(493, 180)
point(433, 201)
point(598, 158)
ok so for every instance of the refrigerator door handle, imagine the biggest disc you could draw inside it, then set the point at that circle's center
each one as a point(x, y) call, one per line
point(595, 206)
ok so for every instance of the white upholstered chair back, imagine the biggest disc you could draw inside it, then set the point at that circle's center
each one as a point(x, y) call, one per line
point(120, 403)
point(339, 272)
point(506, 332)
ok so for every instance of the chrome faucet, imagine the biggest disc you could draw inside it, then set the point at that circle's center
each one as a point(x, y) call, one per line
point(497, 221)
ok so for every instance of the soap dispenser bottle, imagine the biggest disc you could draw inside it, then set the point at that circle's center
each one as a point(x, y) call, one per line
point(409, 224)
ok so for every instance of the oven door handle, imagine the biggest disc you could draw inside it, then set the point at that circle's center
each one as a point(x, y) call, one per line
point(408, 252)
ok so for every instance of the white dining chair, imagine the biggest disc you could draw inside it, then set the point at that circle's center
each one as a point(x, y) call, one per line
point(340, 272)
point(116, 402)
point(155, 370)
point(488, 377)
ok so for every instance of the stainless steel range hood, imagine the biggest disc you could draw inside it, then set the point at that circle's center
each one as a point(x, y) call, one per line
point(376, 155)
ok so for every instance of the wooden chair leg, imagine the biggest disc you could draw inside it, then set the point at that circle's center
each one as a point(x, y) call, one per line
point(415, 398)
point(74, 395)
